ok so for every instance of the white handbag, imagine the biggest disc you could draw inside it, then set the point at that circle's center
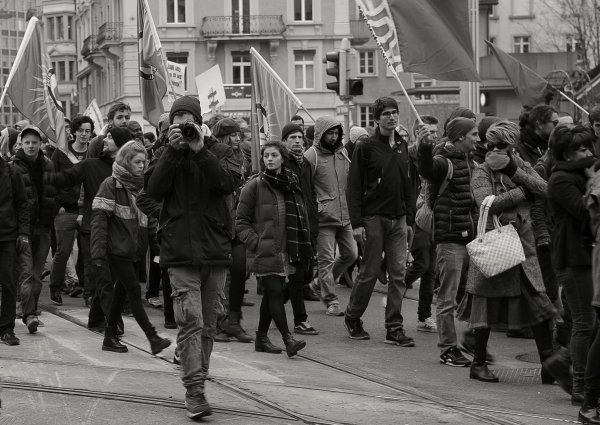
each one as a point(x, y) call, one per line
point(499, 249)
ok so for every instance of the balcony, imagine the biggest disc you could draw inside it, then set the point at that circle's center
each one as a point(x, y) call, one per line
point(109, 32)
point(360, 32)
point(246, 26)
point(88, 46)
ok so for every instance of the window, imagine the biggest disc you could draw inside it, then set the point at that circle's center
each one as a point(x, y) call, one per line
point(181, 58)
point(304, 69)
point(240, 62)
point(50, 28)
point(422, 97)
point(176, 11)
point(61, 74)
point(303, 10)
point(60, 30)
point(366, 63)
point(521, 44)
point(69, 27)
point(365, 118)
point(71, 70)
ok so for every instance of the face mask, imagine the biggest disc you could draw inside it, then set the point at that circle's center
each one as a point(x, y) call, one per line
point(497, 160)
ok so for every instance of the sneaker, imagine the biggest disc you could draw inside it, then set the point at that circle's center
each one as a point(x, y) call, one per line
point(334, 310)
point(155, 302)
point(9, 338)
point(32, 323)
point(305, 328)
point(355, 329)
point(399, 338)
point(197, 406)
point(427, 325)
point(56, 298)
point(453, 357)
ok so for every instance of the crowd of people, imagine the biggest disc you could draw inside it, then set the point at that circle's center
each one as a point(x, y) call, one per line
point(183, 211)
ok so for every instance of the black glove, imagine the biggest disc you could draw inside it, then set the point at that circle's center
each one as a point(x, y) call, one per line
point(22, 243)
point(511, 168)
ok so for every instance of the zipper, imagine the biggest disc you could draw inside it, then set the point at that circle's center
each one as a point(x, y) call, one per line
point(472, 196)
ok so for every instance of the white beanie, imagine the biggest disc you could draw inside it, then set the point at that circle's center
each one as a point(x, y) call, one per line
point(356, 132)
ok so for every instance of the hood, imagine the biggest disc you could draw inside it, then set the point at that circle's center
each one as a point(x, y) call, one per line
point(324, 124)
point(20, 155)
point(531, 140)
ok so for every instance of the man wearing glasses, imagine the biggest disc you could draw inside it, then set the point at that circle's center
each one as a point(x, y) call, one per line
point(65, 223)
point(535, 134)
point(381, 203)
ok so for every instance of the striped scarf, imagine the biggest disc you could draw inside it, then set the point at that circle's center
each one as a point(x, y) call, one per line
point(298, 239)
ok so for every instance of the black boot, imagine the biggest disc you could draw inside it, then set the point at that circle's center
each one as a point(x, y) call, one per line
point(588, 414)
point(558, 365)
point(157, 343)
point(262, 344)
point(291, 345)
point(481, 372)
point(479, 369)
point(235, 329)
point(111, 341)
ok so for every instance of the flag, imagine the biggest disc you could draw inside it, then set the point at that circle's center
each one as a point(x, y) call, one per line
point(93, 111)
point(433, 36)
point(273, 104)
point(379, 19)
point(153, 75)
point(31, 87)
point(530, 87)
point(211, 92)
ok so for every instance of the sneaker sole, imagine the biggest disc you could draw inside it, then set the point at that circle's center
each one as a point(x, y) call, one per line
point(453, 364)
point(197, 415)
point(407, 344)
point(306, 332)
point(105, 348)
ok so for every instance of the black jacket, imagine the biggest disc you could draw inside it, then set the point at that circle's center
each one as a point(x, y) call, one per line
point(195, 225)
point(380, 181)
point(14, 204)
point(571, 233)
point(305, 177)
point(67, 197)
point(455, 211)
point(530, 146)
point(41, 194)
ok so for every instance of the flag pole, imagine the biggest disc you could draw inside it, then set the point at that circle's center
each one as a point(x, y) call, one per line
point(19, 56)
point(569, 99)
point(391, 66)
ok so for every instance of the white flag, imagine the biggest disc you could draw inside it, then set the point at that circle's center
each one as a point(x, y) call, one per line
point(211, 92)
point(93, 111)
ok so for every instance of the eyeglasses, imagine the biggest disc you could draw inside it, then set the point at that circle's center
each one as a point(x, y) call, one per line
point(81, 130)
point(500, 145)
point(388, 114)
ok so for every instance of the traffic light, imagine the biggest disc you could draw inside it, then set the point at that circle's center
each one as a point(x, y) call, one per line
point(355, 86)
point(336, 67)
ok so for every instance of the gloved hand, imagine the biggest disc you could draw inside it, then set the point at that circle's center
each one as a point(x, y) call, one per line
point(22, 243)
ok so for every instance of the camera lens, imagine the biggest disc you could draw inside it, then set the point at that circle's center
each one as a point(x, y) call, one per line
point(189, 131)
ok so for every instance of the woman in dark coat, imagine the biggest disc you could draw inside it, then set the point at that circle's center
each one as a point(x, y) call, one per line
point(572, 239)
point(515, 298)
point(273, 223)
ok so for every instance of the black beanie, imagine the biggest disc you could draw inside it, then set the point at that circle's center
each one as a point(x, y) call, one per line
point(458, 127)
point(186, 104)
point(225, 127)
point(120, 135)
point(289, 129)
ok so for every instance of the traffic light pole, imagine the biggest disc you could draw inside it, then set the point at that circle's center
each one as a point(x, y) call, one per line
point(345, 47)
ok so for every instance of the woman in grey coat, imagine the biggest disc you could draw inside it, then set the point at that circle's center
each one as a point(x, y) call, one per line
point(515, 298)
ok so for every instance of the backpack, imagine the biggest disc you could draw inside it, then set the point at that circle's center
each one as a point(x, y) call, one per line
point(425, 203)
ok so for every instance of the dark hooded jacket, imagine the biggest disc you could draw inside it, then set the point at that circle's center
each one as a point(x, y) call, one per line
point(380, 180)
point(330, 175)
point(14, 204)
point(531, 147)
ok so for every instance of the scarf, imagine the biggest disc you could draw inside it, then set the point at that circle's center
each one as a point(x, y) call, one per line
point(297, 155)
point(298, 240)
point(133, 184)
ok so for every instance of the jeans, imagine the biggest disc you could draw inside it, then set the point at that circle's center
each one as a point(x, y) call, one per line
point(8, 282)
point(331, 268)
point(423, 266)
point(382, 235)
point(125, 274)
point(578, 287)
point(32, 264)
point(195, 296)
point(592, 372)
point(65, 226)
point(453, 262)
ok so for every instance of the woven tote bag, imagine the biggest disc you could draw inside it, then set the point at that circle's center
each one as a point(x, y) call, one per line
point(499, 249)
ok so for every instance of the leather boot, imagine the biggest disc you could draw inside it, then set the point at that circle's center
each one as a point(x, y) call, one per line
point(157, 343)
point(235, 329)
point(558, 365)
point(111, 341)
point(588, 414)
point(292, 346)
point(578, 391)
point(481, 372)
point(263, 344)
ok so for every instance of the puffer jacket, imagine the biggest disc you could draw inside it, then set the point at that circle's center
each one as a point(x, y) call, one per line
point(260, 224)
point(41, 195)
point(195, 222)
point(14, 205)
point(330, 174)
point(455, 211)
point(119, 228)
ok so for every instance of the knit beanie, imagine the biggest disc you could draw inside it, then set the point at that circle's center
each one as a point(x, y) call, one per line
point(225, 127)
point(186, 104)
point(356, 133)
point(483, 126)
point(503, 131)
point(163, 123)
point(120, 135)
point(289, 129)
point(458, 127)
point(458, 112)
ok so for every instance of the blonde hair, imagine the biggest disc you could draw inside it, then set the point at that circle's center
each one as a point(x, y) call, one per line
point(504, 130)
point(126, 153)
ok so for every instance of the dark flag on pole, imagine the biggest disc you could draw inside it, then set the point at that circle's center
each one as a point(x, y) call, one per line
point(530, 87)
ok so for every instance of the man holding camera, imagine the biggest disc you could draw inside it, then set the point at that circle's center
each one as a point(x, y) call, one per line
point(195, 241)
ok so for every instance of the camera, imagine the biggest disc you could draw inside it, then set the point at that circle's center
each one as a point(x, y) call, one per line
point(189, 131)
